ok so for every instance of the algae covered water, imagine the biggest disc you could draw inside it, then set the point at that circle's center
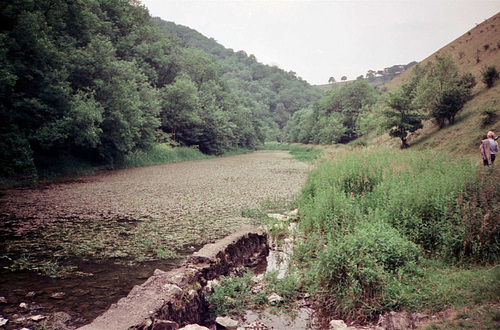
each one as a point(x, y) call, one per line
point(78, 245)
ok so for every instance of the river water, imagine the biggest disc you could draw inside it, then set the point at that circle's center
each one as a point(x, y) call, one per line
point(104, 233)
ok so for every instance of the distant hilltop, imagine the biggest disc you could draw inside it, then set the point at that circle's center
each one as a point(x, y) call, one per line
point(374, 78)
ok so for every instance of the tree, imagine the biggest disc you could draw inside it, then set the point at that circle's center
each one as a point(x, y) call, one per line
point(490, 75)
point(331, 80)
point(344, 78)
point(403, 118)
point(442, 89)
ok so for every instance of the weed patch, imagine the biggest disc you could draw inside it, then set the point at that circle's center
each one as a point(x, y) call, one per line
point(370, 218)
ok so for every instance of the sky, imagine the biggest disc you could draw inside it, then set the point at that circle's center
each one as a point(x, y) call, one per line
point(323, 39)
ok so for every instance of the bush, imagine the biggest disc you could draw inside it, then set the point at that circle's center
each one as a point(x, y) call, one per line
point(352, 270)
point(490, 75)
point(488, 116)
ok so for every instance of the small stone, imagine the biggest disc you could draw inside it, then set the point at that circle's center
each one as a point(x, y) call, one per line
point(275, 299)
point(337, 325)
point(57, 295)
point(159, 272)
point(37, 318)
point(227, 322)
point(3, 321)
point(30, 294)
point(164, 325)
point(174, 290)
point(3, 300)
point(24, 305)
point(194, 327)
point(277, 216)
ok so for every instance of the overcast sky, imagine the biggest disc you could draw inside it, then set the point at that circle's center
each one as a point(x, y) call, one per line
point(323, 39)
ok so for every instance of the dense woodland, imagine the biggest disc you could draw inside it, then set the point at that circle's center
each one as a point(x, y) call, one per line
point(273, 94)
point(96, 80)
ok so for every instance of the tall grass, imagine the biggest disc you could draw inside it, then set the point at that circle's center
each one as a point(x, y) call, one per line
point(369, 217)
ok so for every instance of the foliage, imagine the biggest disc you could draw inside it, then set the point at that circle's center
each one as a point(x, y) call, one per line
point(488, 116)
point(334, 118)
point(402, 118)
point(367, 217)
point(271, 94)
point(490, 75)
point(235, 294)
point(95, 80)
point(162, 154)
point(443, 90)
point(304, 153)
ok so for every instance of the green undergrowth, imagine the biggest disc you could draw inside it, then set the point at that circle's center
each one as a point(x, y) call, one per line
point(163, 154)
point(372, 219)
point(301, 152)
point(236, 294)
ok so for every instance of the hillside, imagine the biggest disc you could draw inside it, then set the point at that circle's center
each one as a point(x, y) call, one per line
point(374, 78)
point(472, 52)
point(274, 94)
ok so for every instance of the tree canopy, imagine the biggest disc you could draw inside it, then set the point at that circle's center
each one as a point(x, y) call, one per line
point(95, 80)
point(272, 94)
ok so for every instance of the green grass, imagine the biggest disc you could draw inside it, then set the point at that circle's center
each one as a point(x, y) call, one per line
point(441, 287)
point(371, 217)
point(162, 154)
point(236, 294)
point(301, 152)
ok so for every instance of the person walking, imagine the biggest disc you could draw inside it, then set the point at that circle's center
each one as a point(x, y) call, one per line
point(489, 148)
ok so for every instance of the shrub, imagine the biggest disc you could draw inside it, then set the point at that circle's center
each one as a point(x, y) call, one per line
point(353, 269)
point(366, 216)
point(488, 116)
point(490, 75)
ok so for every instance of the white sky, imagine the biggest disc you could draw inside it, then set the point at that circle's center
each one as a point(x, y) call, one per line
point(320, 39)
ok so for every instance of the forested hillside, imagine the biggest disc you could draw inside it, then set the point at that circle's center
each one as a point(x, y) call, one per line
point(93, 81)
point(273, 94)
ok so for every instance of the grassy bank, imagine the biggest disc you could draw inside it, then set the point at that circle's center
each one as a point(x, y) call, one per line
point(162, 154)
point(380, 216)
point(388, 230)
point(301, 152)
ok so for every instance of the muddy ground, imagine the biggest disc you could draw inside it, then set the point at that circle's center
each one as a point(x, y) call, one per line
point(131, 217)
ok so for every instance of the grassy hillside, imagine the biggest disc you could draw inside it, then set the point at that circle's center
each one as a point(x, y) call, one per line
point(472, 51)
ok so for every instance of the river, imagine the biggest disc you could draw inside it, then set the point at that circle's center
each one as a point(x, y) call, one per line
point(72, 247)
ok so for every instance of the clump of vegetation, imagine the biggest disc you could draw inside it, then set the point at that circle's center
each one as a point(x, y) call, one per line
point(371, 219)
point(233, 295)
point(162, 154)
point(301, 152)
point(489, 75)
point(488, 116)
